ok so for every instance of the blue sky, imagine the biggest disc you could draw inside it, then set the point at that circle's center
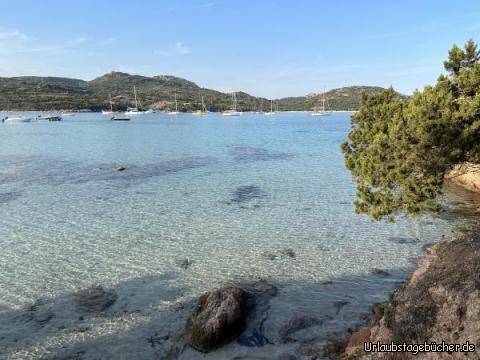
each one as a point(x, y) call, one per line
point(271, 48)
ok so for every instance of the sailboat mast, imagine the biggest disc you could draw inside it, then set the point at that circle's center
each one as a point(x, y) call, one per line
point(111, 103)
point(135, 92)
point(176, 106)
point(271, 105)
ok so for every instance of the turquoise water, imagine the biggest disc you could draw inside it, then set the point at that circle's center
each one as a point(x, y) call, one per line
point(228, 194)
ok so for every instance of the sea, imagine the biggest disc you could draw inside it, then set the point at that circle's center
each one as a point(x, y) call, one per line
point(162, 208)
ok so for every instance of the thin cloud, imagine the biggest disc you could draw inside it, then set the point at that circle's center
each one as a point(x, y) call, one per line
point(179, 49)
point(207, 5)
point(17, 42)
point(182, 49)
point(77, 41)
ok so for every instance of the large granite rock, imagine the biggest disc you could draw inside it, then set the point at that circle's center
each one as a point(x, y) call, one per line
point(439, 302)
point(218, 319)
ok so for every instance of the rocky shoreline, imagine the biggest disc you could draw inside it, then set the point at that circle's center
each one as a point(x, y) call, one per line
point(466, 175)
point(439, 302)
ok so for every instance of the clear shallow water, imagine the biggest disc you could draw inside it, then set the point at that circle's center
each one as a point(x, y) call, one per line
point(229, 194)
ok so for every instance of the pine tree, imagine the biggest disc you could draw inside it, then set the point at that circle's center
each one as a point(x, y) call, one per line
point(400, 149)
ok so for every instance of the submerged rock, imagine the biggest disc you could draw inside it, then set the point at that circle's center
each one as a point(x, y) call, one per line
point(251, 154)
point(218, 319)
point(94, 299)
point(183, 263)
point(247, 193)
point(7, 197)
point(403, 240)
point(270, 256)
point(40, 313)
point(296, 324)
point(380, 272)
point(287, 253)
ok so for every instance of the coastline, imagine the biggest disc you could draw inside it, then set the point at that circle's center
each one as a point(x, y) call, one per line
point(466, 175)
point(438, 303)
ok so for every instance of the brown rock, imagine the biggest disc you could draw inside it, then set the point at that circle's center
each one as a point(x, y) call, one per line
point(218, 319)
point(358, 338)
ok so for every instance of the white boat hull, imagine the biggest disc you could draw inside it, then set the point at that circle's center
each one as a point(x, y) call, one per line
point(17, 120)
point(231, 113)
point(133, 113)
point(173, 113)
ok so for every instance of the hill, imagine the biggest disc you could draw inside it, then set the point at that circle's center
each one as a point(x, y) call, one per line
point(346, 98)
point(56, 93)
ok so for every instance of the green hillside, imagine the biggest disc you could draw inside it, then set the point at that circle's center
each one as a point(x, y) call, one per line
point(55, 93)
point(346, 98)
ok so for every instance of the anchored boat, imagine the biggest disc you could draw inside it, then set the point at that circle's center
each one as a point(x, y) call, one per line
point(49, 117)
point(134, 111)
point(322, 110)
point(120, 118)
point(234, 111)
point(202, 112)
point(109, 112)
point(16, 119)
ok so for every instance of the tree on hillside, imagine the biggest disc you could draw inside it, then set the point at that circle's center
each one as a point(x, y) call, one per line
point(400, 149)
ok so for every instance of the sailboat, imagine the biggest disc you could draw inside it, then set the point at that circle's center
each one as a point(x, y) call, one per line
point(202, 112)
point(176, 108)
point(322, 110)
point(109, 112)
point(234, 111)
point(134, 111)
point(271, 110)
point(260, 110)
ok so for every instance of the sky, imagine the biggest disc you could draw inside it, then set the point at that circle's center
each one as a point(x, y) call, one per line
point(270, 48)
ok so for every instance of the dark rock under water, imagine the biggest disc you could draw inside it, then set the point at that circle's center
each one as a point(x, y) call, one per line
point(10, 196)
point(94, 299)
point(403, 240)
point(247, 193)
point(57, 171)
point(251, 154)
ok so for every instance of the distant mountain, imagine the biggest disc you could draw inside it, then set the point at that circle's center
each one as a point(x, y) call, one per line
point(56, 93)
point(346, 98)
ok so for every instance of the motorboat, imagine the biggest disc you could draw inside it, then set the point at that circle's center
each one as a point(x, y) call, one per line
point(120, 118)
point(49, 117)
point(16, 119)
